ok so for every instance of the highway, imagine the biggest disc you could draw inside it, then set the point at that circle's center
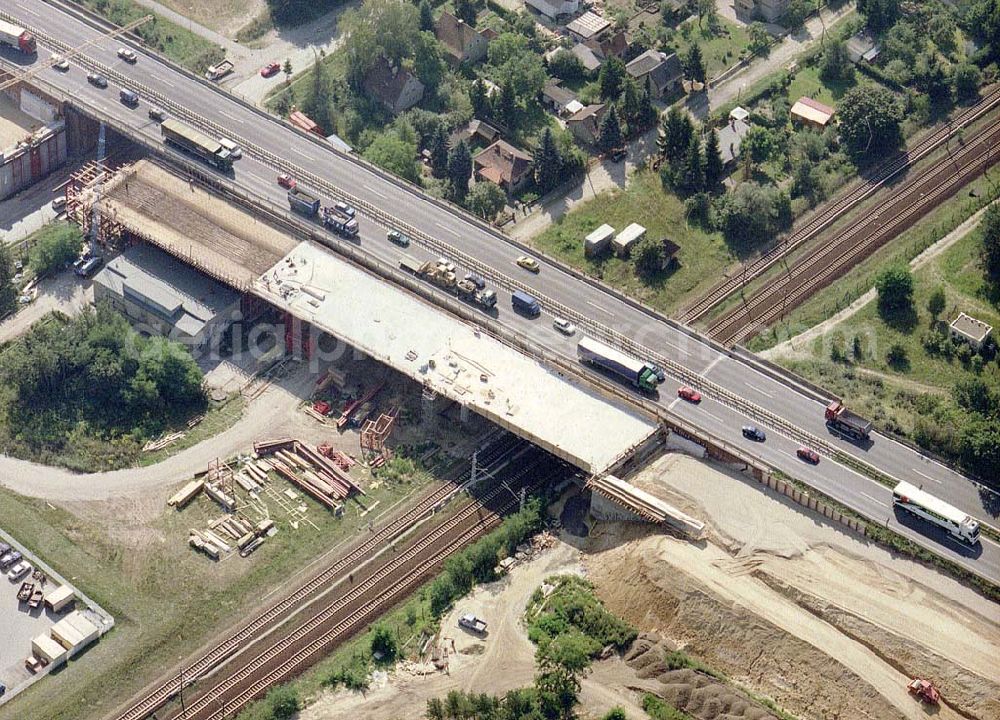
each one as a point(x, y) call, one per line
point(202, 105)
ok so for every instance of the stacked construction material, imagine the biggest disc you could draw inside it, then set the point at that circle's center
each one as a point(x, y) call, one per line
point(306, 468)
point(646, 506)
point(186, 494)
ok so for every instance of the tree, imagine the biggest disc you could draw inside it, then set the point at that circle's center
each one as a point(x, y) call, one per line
point(427, 61)
point(58, 245)
point(649, 257)
point(284, 702)
point(836, 67)
point(694, 65)
point(880, 15)
point(753, 213)
point(485, 200)
point(798, 11)
point(426, 16)
point(513, 63)
point(965, 81)
point(675, 135)
point(287, 69)
point(479, 99)
point(378, 28)
point(870, 121)
point(706, 11)
point(566, 66)
point(548, 164)
point(505, 107)
point(760, 144)
point(384, 642)
point(465, 10)
point(460, 170)
point(631, 104)
point(439, 153)
point(615, 713)
point(989, 253)
point(611, 78)
point(391, 152)
point(759, 38)
point(693, 177)
point(714, 171)
point(611, 131)
point(897, 357)
point(895, 292)
point(317, 104)
point(8, 293)
point(936, 302)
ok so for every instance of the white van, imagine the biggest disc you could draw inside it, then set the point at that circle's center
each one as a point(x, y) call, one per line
point(232, 147)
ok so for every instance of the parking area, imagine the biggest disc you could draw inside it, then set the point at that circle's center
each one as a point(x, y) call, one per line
point(50, 622)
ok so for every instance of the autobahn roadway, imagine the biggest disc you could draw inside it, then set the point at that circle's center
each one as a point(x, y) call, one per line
point(264, 137)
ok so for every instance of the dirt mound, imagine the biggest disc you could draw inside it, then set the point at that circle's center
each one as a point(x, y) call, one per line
point(731, 639)
point(965, 691)
point(693, 692)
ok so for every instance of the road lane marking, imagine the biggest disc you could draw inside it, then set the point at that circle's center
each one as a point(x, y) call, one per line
point(875, 500)
point(671, 405)
point(446, 229)
point(370, 189)
point(754, 387)
point(231, 117)
point(711, 365)
point(926, 476)
point(711, 415)
point(296, 150)
point(598, 307)
point(167, 82)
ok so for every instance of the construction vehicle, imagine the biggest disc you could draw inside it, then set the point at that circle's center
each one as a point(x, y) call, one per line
point(637, 372)
point(17, 37)
point(339, 222)
point(471, 622)
point(303, 202)
point(924, 691)
point(467, 290)
point(846, 422)
point(217, 72)
point(36, 598)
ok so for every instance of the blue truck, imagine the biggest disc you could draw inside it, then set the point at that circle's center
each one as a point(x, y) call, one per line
point(525, 304)
point(303, 202)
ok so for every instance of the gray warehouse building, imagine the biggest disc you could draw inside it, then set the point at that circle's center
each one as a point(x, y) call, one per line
point(154, 289)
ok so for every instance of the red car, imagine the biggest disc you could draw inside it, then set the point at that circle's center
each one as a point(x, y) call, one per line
point(809, 455)
point(270, 69)
point(689, 394)
point(286, 181)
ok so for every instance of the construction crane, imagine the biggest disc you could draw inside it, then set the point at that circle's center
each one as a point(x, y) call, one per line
point(74, 52)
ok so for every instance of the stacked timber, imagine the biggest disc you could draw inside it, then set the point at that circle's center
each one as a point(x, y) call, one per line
point(186, 494)
point(308, 469)
point(217, 494)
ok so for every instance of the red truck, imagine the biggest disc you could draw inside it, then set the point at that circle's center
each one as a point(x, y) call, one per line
point(846, 422)
point(17, 37)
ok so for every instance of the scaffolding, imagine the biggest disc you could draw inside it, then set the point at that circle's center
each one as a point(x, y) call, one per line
point(374, 433)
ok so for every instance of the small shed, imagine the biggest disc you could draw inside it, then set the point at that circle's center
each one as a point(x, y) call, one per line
point(807, 111)
point(968, 329)
point(45, 648)
point(739, 114)
point(74, 632)
point(597, 242)
point(628, 237)
point(59, 598)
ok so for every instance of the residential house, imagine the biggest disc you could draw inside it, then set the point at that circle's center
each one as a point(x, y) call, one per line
point(559, 99)
point(662, 73)
point(585, 124)
point(460, 41)
point(475, 133)
point(730, 138)
point(588, 58)
point(504, 165)
point(811, 113)
point(769, 10)
point(966, 328)
point(863, 48)
point(608, 45)
point(588, 26)
point(394, 87)
point(554, 8)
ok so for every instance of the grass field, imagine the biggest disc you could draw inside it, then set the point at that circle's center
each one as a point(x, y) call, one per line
point(719, 51)
point(217, 418)
point(808, 83)
point(702, 258)
point(166, 598)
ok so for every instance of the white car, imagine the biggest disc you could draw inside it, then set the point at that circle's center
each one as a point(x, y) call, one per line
point(127, 55)
point(19, 571)
point(60, 63)
point(232, 147)
point(564, 326)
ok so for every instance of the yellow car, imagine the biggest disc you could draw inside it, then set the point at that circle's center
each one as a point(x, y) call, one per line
point(528, 263)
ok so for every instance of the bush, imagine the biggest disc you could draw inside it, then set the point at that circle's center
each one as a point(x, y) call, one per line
point(897, 357)
point(55, 246)
point(895, 292)
point(384, 643)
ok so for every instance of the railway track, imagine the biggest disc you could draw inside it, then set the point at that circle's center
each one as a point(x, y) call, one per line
point(859, 190)
point(367, 598)
point(290, 603)
point(863, 237)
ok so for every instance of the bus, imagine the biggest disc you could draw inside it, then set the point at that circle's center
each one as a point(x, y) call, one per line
point(922, 504)
point(186, 138)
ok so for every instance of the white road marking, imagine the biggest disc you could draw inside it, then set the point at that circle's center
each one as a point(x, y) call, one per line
point(225, 114)
point(449, 230)
point(754, 387)
point(675, 347)
point(598, 307)
point(926, 476)
point(712, 415)
point(711, 365)
point(167, 82)
point(671, 405)
point(369, 188)
point(875, 500)
point(296, 150)
point(28, 10)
